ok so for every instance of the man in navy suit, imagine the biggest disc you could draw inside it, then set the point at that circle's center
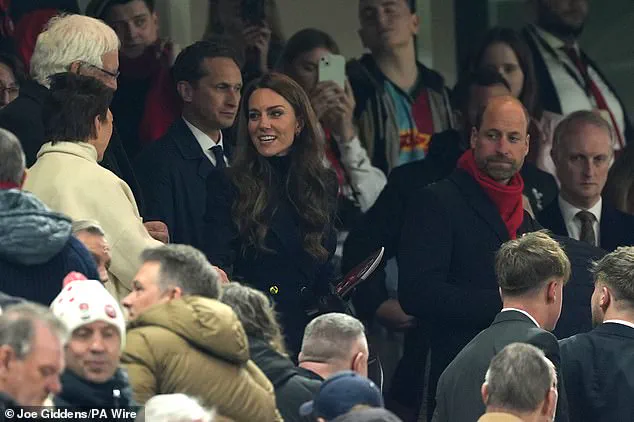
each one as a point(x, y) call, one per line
point(598, 367)
point(531, 272)
point(583, 147)
point(173, 171)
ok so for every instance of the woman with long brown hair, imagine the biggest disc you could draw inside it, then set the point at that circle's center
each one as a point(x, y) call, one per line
point(269, 217)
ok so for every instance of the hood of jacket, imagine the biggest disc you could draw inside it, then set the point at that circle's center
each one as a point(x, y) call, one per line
point(30, 233)
point(206, 323)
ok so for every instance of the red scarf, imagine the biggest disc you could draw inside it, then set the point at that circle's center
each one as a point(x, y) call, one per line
point(9, 185)
point(162, 104)
point(507, 198)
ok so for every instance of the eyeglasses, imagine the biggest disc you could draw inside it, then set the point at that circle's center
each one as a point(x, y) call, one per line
point(12, 90)
point(113, 75)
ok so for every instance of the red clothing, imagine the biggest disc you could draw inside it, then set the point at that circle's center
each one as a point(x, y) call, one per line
point(507, 198)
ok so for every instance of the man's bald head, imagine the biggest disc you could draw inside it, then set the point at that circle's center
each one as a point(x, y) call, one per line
point(500, 138)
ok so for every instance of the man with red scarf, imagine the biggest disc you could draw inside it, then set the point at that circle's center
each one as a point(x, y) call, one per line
point(146, 103)
point(453, 228)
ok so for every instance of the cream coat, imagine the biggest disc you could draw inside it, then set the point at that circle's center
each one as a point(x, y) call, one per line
point(67, 178)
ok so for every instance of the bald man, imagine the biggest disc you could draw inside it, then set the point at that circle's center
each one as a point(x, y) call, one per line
point(453, 228)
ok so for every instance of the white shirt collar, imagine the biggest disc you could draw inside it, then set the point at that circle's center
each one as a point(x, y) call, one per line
point(206, 142)
point(569, 211)
point(522, 311)
point(619, 321)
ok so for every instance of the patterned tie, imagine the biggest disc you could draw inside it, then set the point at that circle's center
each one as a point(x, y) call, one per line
point(587, 227)
point(220, 158)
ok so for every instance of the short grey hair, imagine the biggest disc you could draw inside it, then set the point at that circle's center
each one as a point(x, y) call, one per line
point(12, 159)
point(519, 378)
point(524, 264)
point(18, 325)
point(186, 267)
point(68, 39)
point(565, 128)
point(175, 408)
point(88, 226)
point(330, 337)
point(616, 270)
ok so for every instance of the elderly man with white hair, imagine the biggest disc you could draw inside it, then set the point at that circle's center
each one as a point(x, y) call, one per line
point(79, 44)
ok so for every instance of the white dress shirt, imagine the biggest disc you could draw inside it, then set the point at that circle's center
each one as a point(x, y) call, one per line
point(573, 224)
point(522, 311)
point(206, 143)
point(571, 94)
point(619, 321)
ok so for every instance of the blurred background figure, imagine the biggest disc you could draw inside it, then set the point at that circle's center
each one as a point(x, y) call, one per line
point(146, 103)
point(11, 77)
point(254, 26)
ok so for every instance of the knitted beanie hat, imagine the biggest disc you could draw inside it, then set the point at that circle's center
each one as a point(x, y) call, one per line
point(83, 302)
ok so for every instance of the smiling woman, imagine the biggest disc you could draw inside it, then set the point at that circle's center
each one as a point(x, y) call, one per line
point(269, 219)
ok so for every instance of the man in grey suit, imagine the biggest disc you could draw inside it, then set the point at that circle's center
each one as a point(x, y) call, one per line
point(599, 366)
point(531, 272)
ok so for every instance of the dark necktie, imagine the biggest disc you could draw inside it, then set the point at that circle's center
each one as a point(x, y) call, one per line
point(220, 158)
point(587, 227)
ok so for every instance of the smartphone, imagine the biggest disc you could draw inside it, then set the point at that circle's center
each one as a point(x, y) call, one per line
point(253, 12)
point(332, 67)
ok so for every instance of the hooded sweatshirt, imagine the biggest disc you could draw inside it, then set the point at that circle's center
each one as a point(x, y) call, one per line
point(198, 347)
point(37, 249)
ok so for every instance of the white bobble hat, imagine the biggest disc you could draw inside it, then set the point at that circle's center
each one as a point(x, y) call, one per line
point(83, 302)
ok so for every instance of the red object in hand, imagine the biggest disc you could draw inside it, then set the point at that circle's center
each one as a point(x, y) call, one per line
point(73, 276)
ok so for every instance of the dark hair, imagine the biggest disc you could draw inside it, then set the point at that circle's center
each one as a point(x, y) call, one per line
point(619, 189)
point(107, 4)
point(16, 66)
point(188, 64)
point(303, 41)
point(510, 37)
point(478, 77)
point(70, 109)
point(309, 184)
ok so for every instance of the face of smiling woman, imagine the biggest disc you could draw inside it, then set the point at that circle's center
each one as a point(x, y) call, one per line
point(272, 123)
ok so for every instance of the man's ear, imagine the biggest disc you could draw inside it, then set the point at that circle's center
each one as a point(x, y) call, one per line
point(551, 291)
point(549, 405)
point(176, 293)
point(474, 137)
point(528, 144)
point(185, 91)
point(74, 67)
point(360, 363)
point(6, 355)
point(97, 125)
point(605, 299)
point(484, 391)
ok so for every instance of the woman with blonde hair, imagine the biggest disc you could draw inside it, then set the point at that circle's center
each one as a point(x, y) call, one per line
point(293, 385)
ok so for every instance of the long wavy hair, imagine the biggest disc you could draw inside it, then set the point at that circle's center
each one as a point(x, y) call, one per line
point(510, 37)
point(309, 185)
point(256, 313)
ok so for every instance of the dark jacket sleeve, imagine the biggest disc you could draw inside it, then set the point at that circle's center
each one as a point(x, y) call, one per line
point(221, 235)
point(547, 342)
point(157, 188)
point(80, 260)
point(424, 261)
point(380, 226)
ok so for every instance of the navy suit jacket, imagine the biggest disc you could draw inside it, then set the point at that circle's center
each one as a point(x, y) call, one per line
point(458, 395)
point(616, 228)
point(173, 176)
point(598, 369)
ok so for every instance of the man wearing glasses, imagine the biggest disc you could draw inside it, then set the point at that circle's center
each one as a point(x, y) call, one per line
point(146, 103)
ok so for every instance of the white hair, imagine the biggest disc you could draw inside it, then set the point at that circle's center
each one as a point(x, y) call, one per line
point(68, 39)
point(175, 408)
